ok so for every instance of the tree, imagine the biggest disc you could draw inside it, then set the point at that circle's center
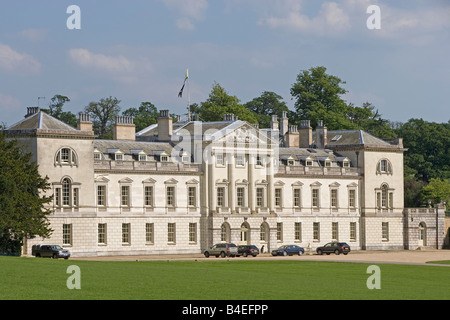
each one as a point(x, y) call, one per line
point(219, 103)
point(413, 192)
point(269, 103)
point(428, 144)
point(55, 109)
point(436, 191)
point(318, 97)
point(145, 115)
point(103, 114)
point(22, 203)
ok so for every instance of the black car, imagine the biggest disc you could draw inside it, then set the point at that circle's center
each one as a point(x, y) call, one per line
point(288, 250)
point(245, 250)
point(334, 247)
point(50, 251)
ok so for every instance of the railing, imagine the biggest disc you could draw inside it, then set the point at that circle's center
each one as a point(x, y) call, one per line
point(305, 170)
point(145, 166)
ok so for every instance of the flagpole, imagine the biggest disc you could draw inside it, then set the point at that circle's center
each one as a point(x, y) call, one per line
point(189, 96)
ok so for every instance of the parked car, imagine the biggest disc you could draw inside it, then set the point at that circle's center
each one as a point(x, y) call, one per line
point(245, 250)
point(222, 249)
point(288, 250)
point(50, 251)
point(336, 247)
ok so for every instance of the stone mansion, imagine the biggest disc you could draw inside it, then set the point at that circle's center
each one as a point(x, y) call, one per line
point(180, 187)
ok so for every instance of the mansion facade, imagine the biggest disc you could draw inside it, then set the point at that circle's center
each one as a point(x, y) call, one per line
point(180, 187)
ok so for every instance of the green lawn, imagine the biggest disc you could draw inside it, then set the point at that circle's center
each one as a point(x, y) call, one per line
point(39, 278)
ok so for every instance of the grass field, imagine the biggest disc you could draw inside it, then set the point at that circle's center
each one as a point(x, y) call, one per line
point(33, 278)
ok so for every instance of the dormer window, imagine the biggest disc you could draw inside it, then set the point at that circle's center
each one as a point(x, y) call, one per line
point(164, 158)
point(142, 157)
point(119, 157)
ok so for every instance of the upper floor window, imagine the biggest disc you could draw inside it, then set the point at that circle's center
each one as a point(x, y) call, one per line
point(66, 156)
point(384, 166)
point(240, 161)
point(219, 160)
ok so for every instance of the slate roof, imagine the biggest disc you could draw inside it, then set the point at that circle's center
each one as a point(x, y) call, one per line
point(43, 123)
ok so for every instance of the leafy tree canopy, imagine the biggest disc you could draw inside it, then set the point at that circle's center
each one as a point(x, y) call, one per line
point(219, 103)
point(22, 211)
point(144, 116)
point(266, 105)
point(55, 109)
point(428, 144)
point(103, 114)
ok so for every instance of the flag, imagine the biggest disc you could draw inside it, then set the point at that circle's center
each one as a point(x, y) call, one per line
point(180, 94)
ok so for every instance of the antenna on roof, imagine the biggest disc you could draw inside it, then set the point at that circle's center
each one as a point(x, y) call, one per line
point(39, 98)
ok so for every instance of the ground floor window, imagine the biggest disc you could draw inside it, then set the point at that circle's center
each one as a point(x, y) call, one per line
point(298, 231)
point(316, 231)
point(126, 236)
point(102, 233)
point(149, 232)
point(171, 232)
point(67, 234)
point(385, 231)
point(192, 232)
point(352, 231)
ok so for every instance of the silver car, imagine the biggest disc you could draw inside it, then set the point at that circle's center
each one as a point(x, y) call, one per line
point(222, 249)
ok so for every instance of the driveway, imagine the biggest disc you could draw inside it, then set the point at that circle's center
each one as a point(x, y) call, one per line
point(403, 257)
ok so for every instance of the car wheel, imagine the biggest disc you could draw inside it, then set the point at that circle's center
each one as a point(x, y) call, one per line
point(319, 252)
point(284, 253)
point(222, 254)
point(300, 253)
point(54, 256)
point(336, 252)
point(245, 254)
point(345, 254)
point(207, 254)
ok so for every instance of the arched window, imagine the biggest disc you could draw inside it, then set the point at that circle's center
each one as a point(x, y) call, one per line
point(384, 166)
point(385, 197)
point(245, 233)
point(66, 156)
point(264, 232)
point(66, 193)
point(66, 186)
point(225, 232)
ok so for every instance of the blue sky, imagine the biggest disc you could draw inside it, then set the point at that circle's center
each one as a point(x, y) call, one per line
point(139, 51)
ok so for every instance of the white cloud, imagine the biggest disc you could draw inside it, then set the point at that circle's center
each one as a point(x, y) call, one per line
point(13, 61)
point(417, 26)
point(87, 59)
point(331, 19)
point(188, 12)
point(123, 69)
